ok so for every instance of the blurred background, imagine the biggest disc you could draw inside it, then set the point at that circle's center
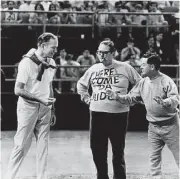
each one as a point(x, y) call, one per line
point(136, 27)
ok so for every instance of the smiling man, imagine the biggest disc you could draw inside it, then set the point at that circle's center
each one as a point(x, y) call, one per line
point(108, 116)
point(160, 96)
point(34, 88)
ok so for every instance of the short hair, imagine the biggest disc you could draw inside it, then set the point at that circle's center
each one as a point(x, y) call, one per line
point(45, 37)
point(39, 4)
point(10, 1)
point(110, 44)
point(154, 60)
point(69, 57)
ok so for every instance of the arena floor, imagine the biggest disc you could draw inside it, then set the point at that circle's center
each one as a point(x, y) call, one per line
point(70, 157)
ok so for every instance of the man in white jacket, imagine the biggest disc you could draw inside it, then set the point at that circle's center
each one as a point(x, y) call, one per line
point(34, 88)
point(108, 116)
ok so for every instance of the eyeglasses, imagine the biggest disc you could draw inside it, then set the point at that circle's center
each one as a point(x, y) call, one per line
point(102, 52)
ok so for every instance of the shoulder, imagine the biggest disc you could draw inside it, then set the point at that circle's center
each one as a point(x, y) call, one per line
point(52, 62)
point(26, 64)
point(165, 80)
point(14, 9)
point(26, 61)
point(122, 64)
point(124, 49)
point(95, 67)
point(76, 63)
point(91, 56)
point(80, 57)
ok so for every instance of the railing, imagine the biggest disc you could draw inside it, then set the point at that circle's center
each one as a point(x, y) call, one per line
point(94, 21)
point(176, 80)
point(83, 66)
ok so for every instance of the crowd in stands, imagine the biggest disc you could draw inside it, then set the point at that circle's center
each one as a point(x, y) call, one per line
point(88, 6)
point(131, 42)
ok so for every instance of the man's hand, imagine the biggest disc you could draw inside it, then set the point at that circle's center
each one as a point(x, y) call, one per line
point(53, 117)
point(160, 101)
point(87, 100)
point(112, 94)
point(49, 102)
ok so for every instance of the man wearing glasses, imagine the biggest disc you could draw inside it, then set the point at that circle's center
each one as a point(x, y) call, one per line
point(34, 88)
point(108, 117)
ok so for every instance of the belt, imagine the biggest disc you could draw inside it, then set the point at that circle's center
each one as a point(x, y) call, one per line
point(165, 122)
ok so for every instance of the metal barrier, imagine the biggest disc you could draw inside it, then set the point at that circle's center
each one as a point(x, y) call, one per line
point(82, 66)
point(94, 22)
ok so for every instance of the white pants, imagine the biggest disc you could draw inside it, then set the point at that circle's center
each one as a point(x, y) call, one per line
point(158, 136)
point(33, 118)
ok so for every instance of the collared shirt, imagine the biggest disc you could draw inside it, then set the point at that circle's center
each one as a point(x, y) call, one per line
point(27, 74)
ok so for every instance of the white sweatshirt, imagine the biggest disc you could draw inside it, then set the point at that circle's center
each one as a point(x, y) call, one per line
point(117, 77)
point(147, 89)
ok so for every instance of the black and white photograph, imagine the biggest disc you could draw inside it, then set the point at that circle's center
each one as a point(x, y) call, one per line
point(89, 89)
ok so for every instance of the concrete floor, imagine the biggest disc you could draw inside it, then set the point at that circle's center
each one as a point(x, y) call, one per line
point(70, 155)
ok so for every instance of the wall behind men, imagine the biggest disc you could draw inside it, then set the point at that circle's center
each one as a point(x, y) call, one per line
point(71, 114)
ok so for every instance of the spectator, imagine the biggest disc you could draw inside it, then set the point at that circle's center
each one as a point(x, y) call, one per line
point(139, 33)
point(155, 19)
point(10, 17)
point(134, 62)
point(158, 45)
point(163, 4)
point(60, 60)
point(67, 18)
point(38, 17)
point(119, 19)
point(102, 20)
point(71, 73)
point(85, 59)
point(175, 4)
point(138, 19)
point(130, 49)
point(26, 6)
point(46, 4)
point(85, 18)
point(150, 45)
point(3, 4)
point(145, 5)
point(53, 18)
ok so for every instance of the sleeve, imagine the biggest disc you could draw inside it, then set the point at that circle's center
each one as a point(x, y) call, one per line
point(133, 97)
point(23, 71)
point(83, 86)
point(173, 98)
point(133, 75)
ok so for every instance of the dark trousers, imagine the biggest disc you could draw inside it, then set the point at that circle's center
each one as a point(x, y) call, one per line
point(112, 126)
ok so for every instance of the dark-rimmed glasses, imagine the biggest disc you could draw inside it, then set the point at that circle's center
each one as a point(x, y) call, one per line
point(102, 52)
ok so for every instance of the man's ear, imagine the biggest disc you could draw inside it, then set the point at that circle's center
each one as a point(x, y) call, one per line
point(113, 53)
point(43, 45)
point(152, 67)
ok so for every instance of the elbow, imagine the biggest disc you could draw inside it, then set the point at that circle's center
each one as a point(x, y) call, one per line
point(17, 91)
